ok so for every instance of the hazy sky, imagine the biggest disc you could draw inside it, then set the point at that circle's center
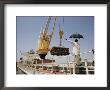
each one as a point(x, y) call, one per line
point(29, 27)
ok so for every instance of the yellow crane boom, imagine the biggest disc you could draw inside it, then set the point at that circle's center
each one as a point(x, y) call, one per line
point(45, 39)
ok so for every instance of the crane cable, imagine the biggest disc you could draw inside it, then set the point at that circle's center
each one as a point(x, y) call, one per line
point(53, 28)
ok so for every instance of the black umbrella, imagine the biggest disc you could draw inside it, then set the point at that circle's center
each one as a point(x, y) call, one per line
point(76, 35)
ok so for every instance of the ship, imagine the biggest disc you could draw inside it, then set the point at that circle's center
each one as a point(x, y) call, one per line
point(34, 61)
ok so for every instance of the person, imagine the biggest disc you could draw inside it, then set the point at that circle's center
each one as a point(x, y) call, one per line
point(76, 51)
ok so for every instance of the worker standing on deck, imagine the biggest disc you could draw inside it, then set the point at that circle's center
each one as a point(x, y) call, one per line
point(76, 51)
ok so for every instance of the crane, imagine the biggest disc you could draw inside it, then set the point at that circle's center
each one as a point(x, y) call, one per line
point(45, 39)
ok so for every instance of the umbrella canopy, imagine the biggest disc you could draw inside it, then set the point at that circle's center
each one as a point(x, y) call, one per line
point(76, 35)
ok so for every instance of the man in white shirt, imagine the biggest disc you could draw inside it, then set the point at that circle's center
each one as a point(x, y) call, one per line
point(76, 51)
